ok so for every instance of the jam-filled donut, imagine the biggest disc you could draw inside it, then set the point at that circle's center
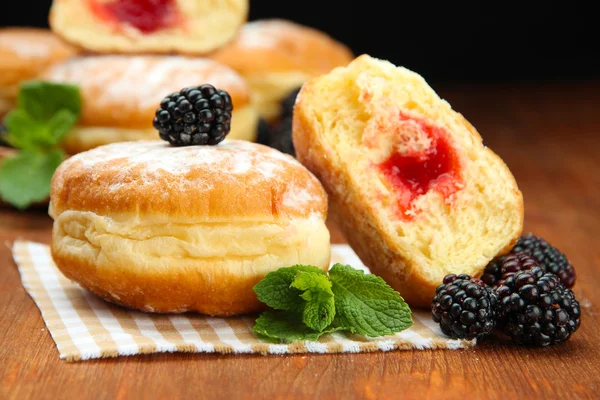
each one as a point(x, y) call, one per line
point(413, 188)
point(165, 228)
point(148, 26)
point(121, 94)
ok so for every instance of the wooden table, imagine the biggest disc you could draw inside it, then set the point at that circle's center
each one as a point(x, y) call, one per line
point(549, 135)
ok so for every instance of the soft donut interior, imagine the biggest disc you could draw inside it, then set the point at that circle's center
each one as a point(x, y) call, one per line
point(445, 201)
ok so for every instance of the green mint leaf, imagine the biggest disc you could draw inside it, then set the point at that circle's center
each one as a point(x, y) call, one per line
point(26, 133)
point(25, 178)
point(287, 327)
point(311, 279)
point(42, 99)
point(274, 289)
point(60, 124)
point(365, 304)
point(319, 309)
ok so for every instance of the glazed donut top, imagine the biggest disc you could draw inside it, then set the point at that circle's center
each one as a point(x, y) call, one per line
point(125, 91)
point(24, 52)
point(152, 179)
point(277, 45)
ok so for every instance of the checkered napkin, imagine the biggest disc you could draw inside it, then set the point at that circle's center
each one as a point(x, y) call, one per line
point(84, 326)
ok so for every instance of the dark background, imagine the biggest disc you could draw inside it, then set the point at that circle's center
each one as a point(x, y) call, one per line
point(445, 42)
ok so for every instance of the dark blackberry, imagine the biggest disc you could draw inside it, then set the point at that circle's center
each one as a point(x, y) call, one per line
point(281, 136)
point(278, 135)
point(3, 134)
point(549, 258)
point(197, 115)
point(503, 267)
point(464, 307)
point(287, 104)
point(263, 133)
point(535, 308)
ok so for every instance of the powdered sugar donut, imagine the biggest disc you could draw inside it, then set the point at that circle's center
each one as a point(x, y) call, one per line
point(172, 229)
point(121, 94)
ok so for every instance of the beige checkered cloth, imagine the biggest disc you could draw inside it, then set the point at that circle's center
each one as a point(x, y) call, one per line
point(84, 326)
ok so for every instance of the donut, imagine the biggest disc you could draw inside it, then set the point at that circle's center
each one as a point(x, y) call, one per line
point(120, 95)
point(24, 53)
point(414, 191)
point(170, 229)
point(277, 56)
point(148, 26)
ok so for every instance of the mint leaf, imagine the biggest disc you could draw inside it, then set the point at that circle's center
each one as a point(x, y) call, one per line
point(42, 99)
point(306, 279)
point(25, 178)
point(365, 304)
point(60, 124)
point(319, 309)
point(274, 289)
point(24, 132)
point(286, 327)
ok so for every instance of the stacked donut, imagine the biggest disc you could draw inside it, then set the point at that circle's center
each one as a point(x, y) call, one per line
point(125, 55)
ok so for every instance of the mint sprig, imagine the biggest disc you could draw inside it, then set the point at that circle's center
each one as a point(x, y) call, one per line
point(311, 303)
point(319, 306)
point(365, 304)
point(280, 326)
point(45, 113)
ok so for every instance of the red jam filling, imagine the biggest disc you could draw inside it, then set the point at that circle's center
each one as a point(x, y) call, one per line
point(147, 16)
point(415, 173)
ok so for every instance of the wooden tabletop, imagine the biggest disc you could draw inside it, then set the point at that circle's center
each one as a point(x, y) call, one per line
point(549, 135)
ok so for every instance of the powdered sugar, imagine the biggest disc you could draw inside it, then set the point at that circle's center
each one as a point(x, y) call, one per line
point(26, 48)
point(142, 81)
point(258, 34)
point(297, 196)
point(153, 158)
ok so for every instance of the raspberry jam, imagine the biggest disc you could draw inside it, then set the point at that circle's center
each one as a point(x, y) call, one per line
point(147, 16)
point(414, 174)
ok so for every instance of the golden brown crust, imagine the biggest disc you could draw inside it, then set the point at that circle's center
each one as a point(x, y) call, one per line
point(224, 294)
point(125, 91)
point(198, 182)
point(277, 45)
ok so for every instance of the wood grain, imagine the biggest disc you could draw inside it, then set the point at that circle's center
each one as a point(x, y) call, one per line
point(548, 135)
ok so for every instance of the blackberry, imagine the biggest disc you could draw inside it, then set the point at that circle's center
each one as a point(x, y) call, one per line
point(263, 133)
point(3, 134)
point(464, 307)
point(549, 258)
point(281, 136)
point(287, 104)
point(198, 115)
point(503, 267)
point(536, 309)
